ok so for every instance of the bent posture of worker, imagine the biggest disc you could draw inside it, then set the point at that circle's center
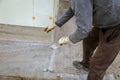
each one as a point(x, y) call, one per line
point(104, 15)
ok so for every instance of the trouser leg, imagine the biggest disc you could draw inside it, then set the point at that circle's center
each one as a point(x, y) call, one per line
point(105, 54)
point(89, 45)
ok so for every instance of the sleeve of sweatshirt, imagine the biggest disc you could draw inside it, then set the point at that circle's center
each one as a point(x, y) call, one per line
point(83, 14)
point(65, 17)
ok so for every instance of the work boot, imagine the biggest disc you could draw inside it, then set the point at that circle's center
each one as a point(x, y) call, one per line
point(80, 65)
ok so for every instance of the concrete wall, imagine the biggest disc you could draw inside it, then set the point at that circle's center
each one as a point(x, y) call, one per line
point(23, 33)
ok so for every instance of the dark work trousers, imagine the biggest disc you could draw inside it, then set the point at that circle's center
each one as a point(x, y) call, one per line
point(99, 50)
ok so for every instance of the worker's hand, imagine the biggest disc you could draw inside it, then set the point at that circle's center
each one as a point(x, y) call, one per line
point(63, 41)
point(50, 28)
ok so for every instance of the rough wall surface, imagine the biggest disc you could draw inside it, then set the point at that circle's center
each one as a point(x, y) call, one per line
point(23, 33)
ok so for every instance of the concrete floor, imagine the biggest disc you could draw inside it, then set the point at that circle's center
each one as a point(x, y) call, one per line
point(34, 59)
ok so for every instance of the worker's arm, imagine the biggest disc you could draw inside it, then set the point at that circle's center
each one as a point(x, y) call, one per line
point(63, 19)
point(83, 13)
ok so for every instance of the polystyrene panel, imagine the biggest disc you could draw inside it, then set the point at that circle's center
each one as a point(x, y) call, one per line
point(36, 13)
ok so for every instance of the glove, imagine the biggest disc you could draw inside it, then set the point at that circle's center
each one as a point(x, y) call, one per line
point(50, 28)
point(63, 41)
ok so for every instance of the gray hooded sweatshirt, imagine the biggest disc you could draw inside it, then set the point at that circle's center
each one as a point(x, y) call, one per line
point(88, 13)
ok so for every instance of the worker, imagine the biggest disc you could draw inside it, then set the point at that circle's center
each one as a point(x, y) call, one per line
point(103, 39)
